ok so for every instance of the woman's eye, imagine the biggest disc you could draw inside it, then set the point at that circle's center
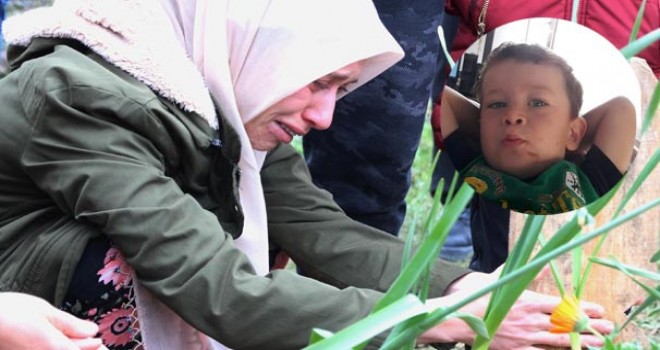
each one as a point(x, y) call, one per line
point(496, 105)
point(537, 103)
point(320, 85)
point(342, 90)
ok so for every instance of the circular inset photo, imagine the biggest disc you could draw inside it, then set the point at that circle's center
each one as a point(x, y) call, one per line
point(540, 115)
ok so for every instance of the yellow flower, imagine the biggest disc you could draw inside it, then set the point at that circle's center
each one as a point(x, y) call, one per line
point(568, 317)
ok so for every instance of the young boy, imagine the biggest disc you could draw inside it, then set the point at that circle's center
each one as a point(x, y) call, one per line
point(515, 148)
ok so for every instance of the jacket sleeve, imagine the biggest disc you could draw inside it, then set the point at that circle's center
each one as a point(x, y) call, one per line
point(99, 171)
point(324, 242)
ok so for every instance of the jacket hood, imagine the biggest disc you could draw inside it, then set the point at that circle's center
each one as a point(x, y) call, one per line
point(152, 55)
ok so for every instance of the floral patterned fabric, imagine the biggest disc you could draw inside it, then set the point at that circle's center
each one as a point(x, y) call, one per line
point(102, 291)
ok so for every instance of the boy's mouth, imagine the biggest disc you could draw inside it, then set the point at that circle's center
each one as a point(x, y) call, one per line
point(513, 140)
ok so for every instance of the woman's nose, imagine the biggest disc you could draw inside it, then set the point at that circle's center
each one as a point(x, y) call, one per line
point(320, 110)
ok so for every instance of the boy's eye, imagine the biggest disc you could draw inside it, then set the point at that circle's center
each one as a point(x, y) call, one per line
point(537, 103)
point(496, 105)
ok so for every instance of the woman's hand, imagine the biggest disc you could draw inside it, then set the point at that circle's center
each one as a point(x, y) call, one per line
point(526, 326)
point(29, 322)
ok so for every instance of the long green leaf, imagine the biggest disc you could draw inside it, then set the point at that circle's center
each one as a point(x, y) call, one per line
point(652, 292)
point(475, 323)
point(655, 257)
point(423, 283)
point(650, 300)
point(407, 253)
point(577, 275)
point(422, 290)
point(613, 263)
point(574, 11)
point(651, 108)
point(640, 44)
point(408, 244)
point(401, 328)
point(319, 335)
point(428, 250)
point(638, 22)
point(443, 43)
point(452, 186)
point(437, 198)
point(639, 180)
point(558, 243)
point(421, 287)
point(555, 271)
point(374, 324)
point(420, 324)
point(519, 256)
point(636, 185)
point(585, 220)
point(524, 247)
point(503, 299)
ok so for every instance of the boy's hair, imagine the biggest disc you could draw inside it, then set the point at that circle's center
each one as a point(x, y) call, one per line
point(532, 53)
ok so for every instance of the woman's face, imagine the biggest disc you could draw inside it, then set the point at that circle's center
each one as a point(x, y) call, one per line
point(308, 108)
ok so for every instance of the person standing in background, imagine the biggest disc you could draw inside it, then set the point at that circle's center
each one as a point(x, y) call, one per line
point(3, 59)
point(364, 159)
point(2, 18)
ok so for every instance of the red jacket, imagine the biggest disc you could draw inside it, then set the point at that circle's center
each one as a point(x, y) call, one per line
point(613, 19)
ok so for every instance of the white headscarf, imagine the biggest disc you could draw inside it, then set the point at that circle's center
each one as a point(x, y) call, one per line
point(248, 54)
point(272, 49)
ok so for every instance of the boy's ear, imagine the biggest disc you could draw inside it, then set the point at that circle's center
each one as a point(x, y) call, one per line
point(577, 129)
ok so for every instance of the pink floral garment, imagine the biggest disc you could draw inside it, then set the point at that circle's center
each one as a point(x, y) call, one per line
point(106, 298)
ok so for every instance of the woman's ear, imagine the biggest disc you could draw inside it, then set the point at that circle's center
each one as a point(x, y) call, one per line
point(576, 131)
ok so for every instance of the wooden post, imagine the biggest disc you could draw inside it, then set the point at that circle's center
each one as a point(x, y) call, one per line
point(633, 243)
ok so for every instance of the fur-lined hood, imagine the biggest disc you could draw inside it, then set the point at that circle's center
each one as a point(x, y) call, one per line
point(109, 28)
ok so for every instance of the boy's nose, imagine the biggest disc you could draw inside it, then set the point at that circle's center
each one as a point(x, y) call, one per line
point(514, 117)
point(318, 113)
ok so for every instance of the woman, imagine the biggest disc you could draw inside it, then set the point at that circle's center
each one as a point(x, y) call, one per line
point(128, 173)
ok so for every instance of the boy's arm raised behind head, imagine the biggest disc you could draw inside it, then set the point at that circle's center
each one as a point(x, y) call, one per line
point(612, 126)
point(457, 111)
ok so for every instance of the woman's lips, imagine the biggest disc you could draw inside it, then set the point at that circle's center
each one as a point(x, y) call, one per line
point(289, 131)
point(283, 132)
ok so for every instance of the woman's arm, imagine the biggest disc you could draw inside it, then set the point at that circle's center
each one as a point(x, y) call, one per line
point(305, 222)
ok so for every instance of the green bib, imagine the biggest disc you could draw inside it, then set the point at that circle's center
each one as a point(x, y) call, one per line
point(560, 188)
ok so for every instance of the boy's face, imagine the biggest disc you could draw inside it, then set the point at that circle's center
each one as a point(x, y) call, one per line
point(525, 120)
